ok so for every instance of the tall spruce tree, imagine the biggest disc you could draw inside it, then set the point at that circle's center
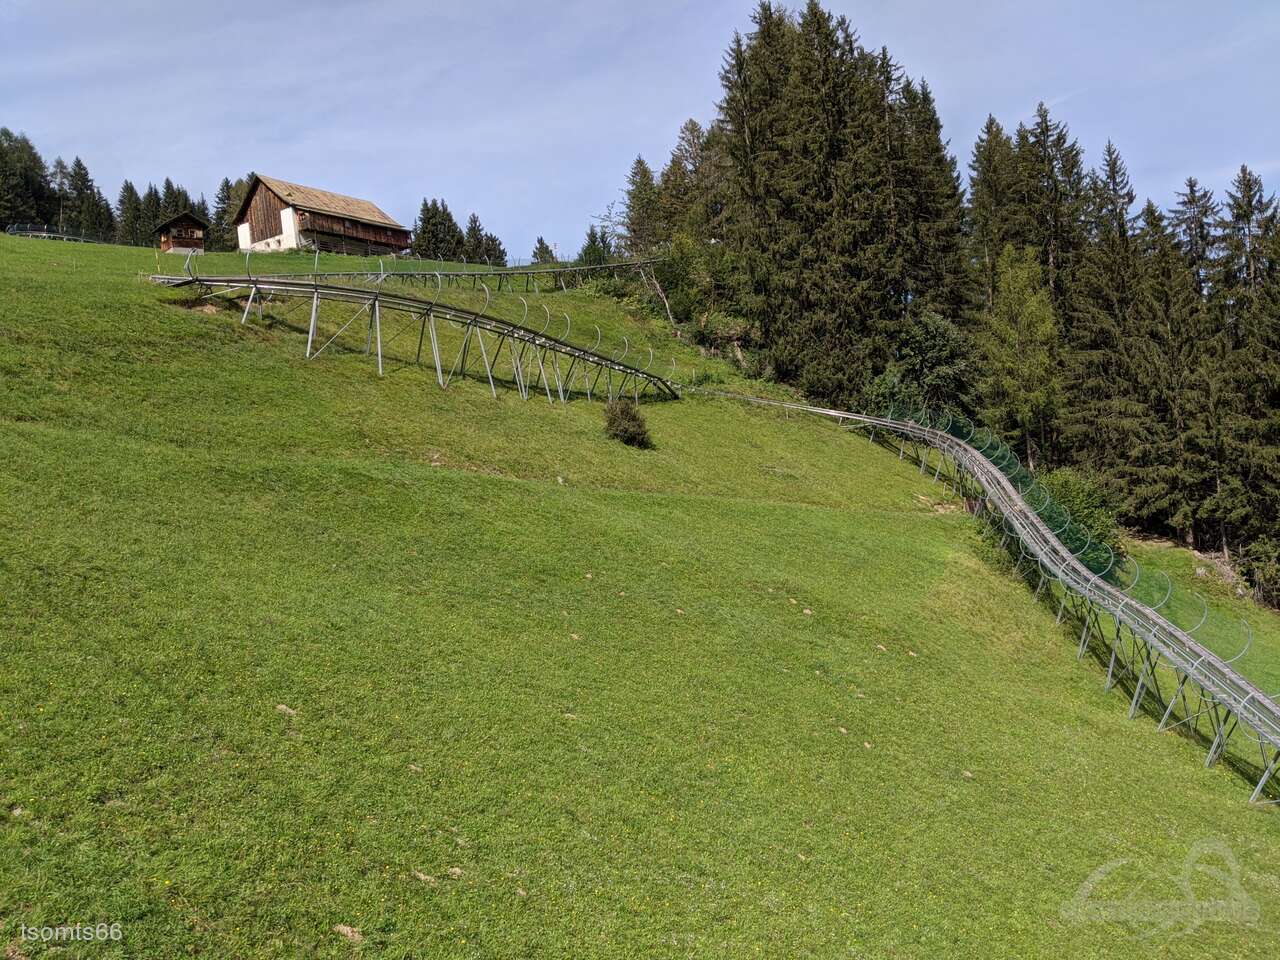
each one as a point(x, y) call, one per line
point(25, 192)
point(1243, 274)
point(937, 278)
point(1051, 200)
point(597, 248)
point(1260, 352)
point(170, 203)
point(678, 187)
point(222, 230)
point(993, 192)
point(492, 250)
point(1166, 470)
point(542, 252)
point(642, 220)
point(129, 216)
point(152, 211)
point(82, 198)
point(1193, 221)
point(473, 240)
point(752, 121)
point(90, 212)
point(60, 180)
point(1019, 384)
point(803, 335)
point(1099, 406)
point(436, 234)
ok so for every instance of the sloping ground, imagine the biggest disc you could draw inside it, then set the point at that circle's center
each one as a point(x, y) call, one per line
point(1230, 623)
point(288, 648)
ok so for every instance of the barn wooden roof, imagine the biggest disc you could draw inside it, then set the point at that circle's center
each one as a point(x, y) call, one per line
point(320, 201)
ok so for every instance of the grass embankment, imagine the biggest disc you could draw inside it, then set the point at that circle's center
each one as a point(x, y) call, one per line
point(288, 647)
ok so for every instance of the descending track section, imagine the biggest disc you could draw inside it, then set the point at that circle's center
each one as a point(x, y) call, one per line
point(1161, 666)
point(47, 231)
point(535, 357)
point(535, 279)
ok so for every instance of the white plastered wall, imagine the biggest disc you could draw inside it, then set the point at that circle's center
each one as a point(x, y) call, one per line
point(286, 239)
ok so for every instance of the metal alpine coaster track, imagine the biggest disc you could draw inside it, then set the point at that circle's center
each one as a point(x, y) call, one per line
point(1135, 639)
point(534, 355)
point(503, 275)
point(47, 231)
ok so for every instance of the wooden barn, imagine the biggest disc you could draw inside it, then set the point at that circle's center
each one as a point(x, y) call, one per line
point(183, 234)
point(278, 215)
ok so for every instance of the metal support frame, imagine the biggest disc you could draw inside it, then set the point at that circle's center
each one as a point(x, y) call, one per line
point(538, 359)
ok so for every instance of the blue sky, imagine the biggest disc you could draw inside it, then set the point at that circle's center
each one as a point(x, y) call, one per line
point(530, 114)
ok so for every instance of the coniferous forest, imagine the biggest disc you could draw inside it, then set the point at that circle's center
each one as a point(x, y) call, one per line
point(820, 232)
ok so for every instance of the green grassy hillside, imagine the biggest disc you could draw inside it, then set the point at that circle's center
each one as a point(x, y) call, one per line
point(297, 661)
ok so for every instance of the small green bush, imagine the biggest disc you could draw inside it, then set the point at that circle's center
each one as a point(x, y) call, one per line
point(1087, 500)
point(622, 421)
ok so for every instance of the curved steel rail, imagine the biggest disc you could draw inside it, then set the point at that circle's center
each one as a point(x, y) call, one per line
point(47, 231)
point(375, 300)
point(503, 273)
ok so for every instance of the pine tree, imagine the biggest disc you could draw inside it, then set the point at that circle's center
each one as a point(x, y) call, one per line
point(1247, 501)
point(1167, 471)
point(436, 235)
point(473, 240)
point(1193, 221)
point(597, 249)
point(128, 216)
point(642, 219)
point(752, 122)
point(678, 187)
point(492, 251)
point(1238, 270)
point(1019, 386)
point(542, 252)
point(170, 204)
point(993, 187)
point(1051, 200)
point(1099, 407)
point(937, 279)
point(81, 198)
point(1261, 362)
point(104, 219)
point(25, 192)
point(89, 211)
point(151, 213)
point(60, 179)
point(222, 230)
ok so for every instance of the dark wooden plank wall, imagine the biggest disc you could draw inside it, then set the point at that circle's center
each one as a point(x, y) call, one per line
point(353, 229)
point(264, 214)
point(169, 240)
point(334, 243)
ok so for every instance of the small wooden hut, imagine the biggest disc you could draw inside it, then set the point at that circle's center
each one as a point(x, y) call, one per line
point(183, 233)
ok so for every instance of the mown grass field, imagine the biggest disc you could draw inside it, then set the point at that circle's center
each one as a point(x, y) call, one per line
point(288, 648)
